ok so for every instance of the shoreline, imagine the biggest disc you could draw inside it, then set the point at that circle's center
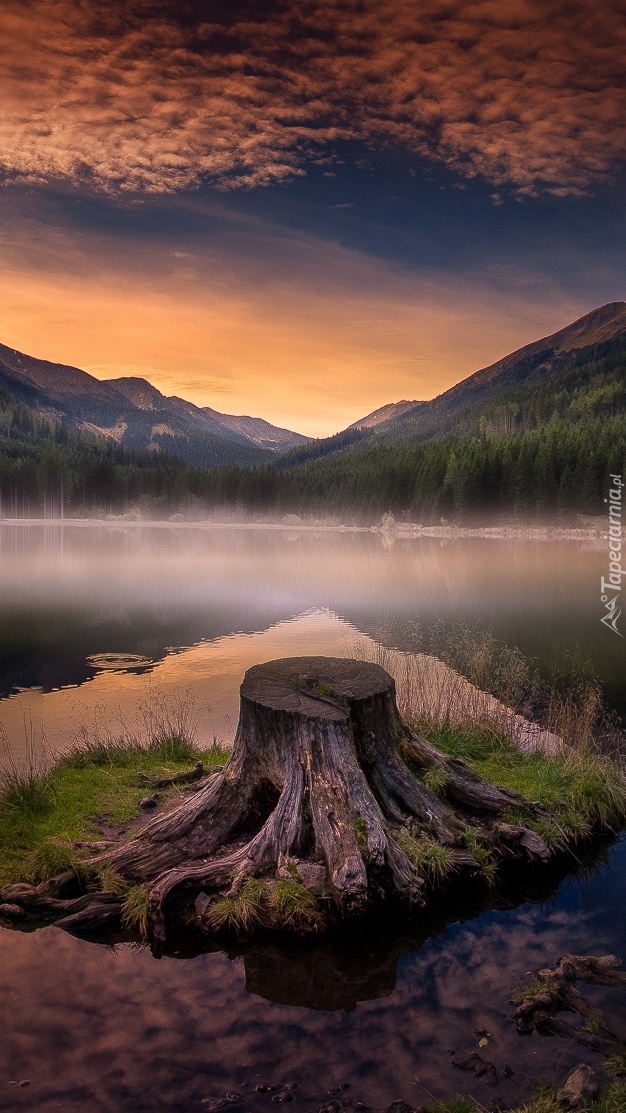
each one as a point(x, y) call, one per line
point(396, 532)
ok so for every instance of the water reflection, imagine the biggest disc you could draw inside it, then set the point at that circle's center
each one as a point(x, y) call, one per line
point(101, 1029)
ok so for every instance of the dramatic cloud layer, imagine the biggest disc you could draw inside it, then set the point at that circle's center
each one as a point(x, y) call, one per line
point(528, 94)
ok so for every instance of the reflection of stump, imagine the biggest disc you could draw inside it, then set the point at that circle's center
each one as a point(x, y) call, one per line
point(330, 794)
point(332, 974)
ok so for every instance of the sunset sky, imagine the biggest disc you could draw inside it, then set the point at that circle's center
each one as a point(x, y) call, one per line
point(304, 210)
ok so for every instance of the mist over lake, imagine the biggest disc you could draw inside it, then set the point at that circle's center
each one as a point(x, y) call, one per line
point(97, 621)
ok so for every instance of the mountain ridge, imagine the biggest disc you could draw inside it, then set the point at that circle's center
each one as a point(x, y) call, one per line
point(508, 395)
point(385, 413)
point(132, 412)
point(537, 361)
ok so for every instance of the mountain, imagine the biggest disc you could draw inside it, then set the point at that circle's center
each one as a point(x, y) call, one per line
point(534, 437)
point(241, 429)
point(572, 372)
point(385, 413)
point(134, 414)
point(270, 437)
point(562, 373)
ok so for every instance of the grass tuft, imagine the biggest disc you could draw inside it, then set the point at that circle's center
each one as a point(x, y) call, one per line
point(476, 844)
point(433, 860)
point(293, 905)
point(242, 911)
point(616, 1064)
point(26, 789)
point(283, 903)
point(108, 880)
point(435, 778)
point(527, 991)
point(49, 859)
point(136, 911)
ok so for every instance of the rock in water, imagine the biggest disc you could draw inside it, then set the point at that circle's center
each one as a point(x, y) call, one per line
point(580, 1087)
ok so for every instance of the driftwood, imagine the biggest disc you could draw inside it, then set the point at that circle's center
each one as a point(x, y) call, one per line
point(195, 774)
point(556, 992)
point(327, 786)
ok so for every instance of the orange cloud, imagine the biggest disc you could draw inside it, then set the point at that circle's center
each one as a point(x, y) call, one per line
point(528, 94)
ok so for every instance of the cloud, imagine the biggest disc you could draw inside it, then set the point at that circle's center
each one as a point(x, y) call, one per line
point(528, 95)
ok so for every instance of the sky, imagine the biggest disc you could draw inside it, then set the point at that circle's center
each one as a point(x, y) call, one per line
point(303, 210)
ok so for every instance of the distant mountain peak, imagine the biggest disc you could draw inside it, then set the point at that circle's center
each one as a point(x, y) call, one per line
point(384, 413)
point(593, 336)
point(139, 391)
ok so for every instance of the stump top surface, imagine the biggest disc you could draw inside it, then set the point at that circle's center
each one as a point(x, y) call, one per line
point(320, 687)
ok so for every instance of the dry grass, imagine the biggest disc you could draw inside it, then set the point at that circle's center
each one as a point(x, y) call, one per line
point(463, 675)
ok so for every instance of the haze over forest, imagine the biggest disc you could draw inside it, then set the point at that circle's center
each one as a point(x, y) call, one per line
point(535, 435)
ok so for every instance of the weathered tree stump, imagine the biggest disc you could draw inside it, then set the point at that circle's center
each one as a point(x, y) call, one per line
point(326, 786)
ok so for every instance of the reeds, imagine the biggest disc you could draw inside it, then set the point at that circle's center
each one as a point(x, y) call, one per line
point(165, 727)
point(463, 675)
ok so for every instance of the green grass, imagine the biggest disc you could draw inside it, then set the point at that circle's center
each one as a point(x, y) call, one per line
point(324, 690)
point(242, 911)
point(43, 815)
point(284, 903)
point(360, 830)
point(136, 911)
point(531, 990)
point(616, 1064)
point(476, 844)
point(435, 778)
point(581, 789)
point(293, 905)
point(611, 1100)
point(454, 1105)
point(433, 860)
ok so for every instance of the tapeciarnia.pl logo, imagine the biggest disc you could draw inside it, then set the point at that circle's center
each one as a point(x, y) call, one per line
point(610, 588)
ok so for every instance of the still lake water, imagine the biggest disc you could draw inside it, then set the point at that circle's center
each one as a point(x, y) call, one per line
point(97, 1028)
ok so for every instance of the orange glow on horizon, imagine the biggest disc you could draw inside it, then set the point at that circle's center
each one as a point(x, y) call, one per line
point(312, 354)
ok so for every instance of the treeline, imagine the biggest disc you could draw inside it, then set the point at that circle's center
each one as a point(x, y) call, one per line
point(48, 469)
point(579, 388)
point(556, 470)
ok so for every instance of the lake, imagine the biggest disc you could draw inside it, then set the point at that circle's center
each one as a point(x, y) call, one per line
point(99, 625)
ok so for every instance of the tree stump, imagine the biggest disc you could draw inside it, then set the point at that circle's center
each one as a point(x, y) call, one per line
point(326, 788)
